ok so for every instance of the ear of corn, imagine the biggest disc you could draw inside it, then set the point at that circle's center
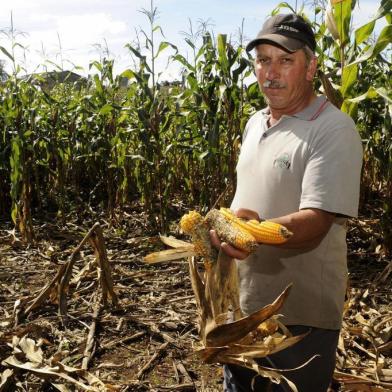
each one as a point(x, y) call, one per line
point(229, 232)
point(194, 225)
point(265, 232)
point(244, 235)
point(189, 222)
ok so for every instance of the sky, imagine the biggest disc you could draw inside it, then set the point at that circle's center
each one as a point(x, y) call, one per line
point(76, 32)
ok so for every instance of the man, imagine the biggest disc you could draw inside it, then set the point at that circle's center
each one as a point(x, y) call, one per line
point(300, 166)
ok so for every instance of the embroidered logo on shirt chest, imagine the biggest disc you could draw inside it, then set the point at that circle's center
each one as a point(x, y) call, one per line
point(282, 161)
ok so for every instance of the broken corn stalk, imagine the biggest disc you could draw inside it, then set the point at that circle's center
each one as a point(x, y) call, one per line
point(265, 232)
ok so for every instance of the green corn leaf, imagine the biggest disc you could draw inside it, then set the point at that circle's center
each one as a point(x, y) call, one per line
point(204, 154)
point(98, 84)
point(162, 46)
point(342, 15)
point(370, 94)
point(181, 59)
point(363, 33)
point(349, 77)
point(382, 92)
point(97, 65)
point(158, 28)
point(192, 82)
point(385, 9)
point(351, 108)
point(8, 54)
point(241, 68)
point(222, 55)
point(14, 213)
point(129, 74)
point(106, 109)
point(283, 5)
point(384, 39)
point(373, 93)
point(138, 54)
point(190, 43)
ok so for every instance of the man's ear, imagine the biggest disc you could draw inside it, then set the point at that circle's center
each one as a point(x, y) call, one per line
point(312, 69)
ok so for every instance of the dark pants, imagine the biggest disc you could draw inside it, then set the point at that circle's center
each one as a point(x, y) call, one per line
point(314, 377)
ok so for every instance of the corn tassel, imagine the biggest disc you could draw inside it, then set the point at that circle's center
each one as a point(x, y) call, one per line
point(265, 232)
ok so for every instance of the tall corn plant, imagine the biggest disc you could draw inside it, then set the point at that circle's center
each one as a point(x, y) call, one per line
point(104, 117)
point(18, 112)
point(54, 164)
point(361, 71)
point(19, 100)
point(212, 105)
point(149, 122)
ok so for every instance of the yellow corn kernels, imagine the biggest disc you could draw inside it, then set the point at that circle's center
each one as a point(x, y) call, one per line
point(228, 232)
point(194, 225)
point(265, 232)
point(189, 221)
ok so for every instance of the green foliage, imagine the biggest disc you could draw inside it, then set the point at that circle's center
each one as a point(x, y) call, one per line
point(105, 143)
point(360, 65)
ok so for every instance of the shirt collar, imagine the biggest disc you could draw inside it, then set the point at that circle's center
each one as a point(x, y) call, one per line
point(310, 113)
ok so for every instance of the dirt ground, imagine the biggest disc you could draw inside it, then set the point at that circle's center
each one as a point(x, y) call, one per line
point(146, 342)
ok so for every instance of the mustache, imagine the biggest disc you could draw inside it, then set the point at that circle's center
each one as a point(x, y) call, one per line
point(273, 84)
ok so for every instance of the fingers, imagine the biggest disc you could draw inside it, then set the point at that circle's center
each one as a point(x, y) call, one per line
point(244, 213)
point(215, 241)
point(233, 252)
point(230, 250)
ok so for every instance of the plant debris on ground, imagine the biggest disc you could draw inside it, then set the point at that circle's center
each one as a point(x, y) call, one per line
point(145, 340)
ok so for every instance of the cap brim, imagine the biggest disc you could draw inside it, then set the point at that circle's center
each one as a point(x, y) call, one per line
point(287, 43)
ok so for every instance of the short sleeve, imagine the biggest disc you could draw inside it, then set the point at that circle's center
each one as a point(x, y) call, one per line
point(332, 173)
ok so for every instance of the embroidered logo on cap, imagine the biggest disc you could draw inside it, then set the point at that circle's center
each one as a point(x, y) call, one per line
point(288, 28)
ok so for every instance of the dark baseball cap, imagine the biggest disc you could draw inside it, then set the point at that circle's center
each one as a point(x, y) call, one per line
point(291, 32)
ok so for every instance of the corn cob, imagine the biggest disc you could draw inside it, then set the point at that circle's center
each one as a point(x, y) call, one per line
point(229, 232)
point(189, 221)
point(265, 232)
point(194, 225)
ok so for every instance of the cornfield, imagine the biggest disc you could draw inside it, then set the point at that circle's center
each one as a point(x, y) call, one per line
point(105, 143)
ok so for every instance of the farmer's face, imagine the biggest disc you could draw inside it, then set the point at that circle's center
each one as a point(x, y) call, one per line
point(289, 76)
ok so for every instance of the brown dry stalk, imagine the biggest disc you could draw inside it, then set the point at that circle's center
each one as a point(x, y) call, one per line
point(63, 287)
point(98, 243)
point(96, 239)
point(90, 343)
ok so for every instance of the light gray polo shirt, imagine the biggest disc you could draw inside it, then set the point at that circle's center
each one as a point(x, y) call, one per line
point(308, 160)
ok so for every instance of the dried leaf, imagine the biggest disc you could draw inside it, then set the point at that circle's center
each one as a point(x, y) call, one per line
point(7, 378)
point(170, 254)
point(224, 334)
point(174, 242)
point(31, 350)
point(43, 370)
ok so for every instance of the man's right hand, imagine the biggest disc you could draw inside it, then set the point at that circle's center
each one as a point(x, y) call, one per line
point(230, 250)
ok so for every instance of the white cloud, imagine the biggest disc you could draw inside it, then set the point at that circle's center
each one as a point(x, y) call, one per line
point(79, 30)
point(81, 24)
